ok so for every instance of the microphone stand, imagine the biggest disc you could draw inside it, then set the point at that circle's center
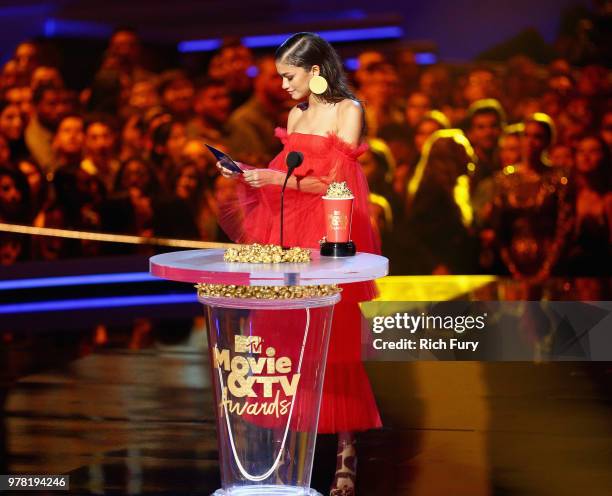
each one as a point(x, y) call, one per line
point(293, 161)
point(282, 213)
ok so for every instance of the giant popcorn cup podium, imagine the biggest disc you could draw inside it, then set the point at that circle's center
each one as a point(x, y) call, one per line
point(267, 360)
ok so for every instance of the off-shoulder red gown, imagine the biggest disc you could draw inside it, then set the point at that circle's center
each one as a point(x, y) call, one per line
point(348, 403)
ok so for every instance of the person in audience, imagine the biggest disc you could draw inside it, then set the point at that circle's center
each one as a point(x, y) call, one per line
point(407, 69)
point(50, 248)
point(46, 75)
point(168, 141)
point(143, 96)
point(68, 142)
point(22, 97)
point(510, 146)
point(133, 139)
point(529, 216)
point(417, 105)
point(12, 129)
point(79, 193)
point(106, 93)
point(212, 108)
point(99, 151)
point(12, 249)
point(365, 60)
point(435, 82)
point(562, 157)
point(481, 85)
point(223, 192)
point(14, 197)
point(234, 66)
point(124, 54)
point(9, 76)
point(430, 123)
point(589, 244)
point(378, 92)
point(38, 187)
point(575, 120)
point(606, 129)
point(176, 92)
point(195, 151)
point(251, 127)
point(43, 124)
point(26, 59)
point(138, 173)
point(438, 214)
point(485, 122)
point(128, 209)
point(189, 185)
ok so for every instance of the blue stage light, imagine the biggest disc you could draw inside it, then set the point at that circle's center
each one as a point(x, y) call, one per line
point(252, 71)
point(199, 45)
point(265, 40)
point(261, 41)
point(425, 58)
point(338, 36)
point(363, 34)
point(93, 303)
point(351, 64)
point(79, 29)
point(50, 28)
point(81, 280)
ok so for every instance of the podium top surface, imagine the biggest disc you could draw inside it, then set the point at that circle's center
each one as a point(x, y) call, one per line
point(208, 266)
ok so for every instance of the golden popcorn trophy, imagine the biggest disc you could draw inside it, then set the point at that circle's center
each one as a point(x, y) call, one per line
point(338, 207)
point(268, 334)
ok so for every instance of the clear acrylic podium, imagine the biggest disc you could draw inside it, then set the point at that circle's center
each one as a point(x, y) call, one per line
point(267, 361)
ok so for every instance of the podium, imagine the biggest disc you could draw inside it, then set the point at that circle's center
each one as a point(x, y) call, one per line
point(267, 358)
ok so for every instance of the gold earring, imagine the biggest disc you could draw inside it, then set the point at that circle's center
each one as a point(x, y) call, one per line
point(318, 85)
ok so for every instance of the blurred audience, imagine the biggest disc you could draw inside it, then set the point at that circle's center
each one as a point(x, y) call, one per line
point(473, 168)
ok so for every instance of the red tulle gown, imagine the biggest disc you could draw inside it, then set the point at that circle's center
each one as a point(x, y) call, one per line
point(254, 217)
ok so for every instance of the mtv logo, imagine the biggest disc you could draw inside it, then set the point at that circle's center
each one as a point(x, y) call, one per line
point(247, 344)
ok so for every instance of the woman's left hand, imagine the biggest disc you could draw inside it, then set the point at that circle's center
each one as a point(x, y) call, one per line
point(262, 177)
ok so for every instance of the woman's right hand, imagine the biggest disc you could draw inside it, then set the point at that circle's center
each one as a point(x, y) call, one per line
point(225, 172)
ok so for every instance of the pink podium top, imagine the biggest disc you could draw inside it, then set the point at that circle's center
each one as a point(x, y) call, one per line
point(208, 266)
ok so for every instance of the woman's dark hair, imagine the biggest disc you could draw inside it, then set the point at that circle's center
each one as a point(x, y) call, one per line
point(160, 137)
point(307, 49)
point(447, 161)
point(198, 194)
point(105, 93)
point(152, 186)
point(14, 150)
point(20, 214)
point(38, 202)
point(546, 123)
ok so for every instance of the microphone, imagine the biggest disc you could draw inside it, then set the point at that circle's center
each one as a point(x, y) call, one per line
point(293, 161)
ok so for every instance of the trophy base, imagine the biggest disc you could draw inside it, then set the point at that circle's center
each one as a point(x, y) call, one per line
point(337, 250)
point(267, 491)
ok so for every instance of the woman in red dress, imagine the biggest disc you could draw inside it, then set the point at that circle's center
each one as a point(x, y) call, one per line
point(327, 128)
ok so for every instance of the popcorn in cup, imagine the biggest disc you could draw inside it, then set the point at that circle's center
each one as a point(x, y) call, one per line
point(338, 206)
